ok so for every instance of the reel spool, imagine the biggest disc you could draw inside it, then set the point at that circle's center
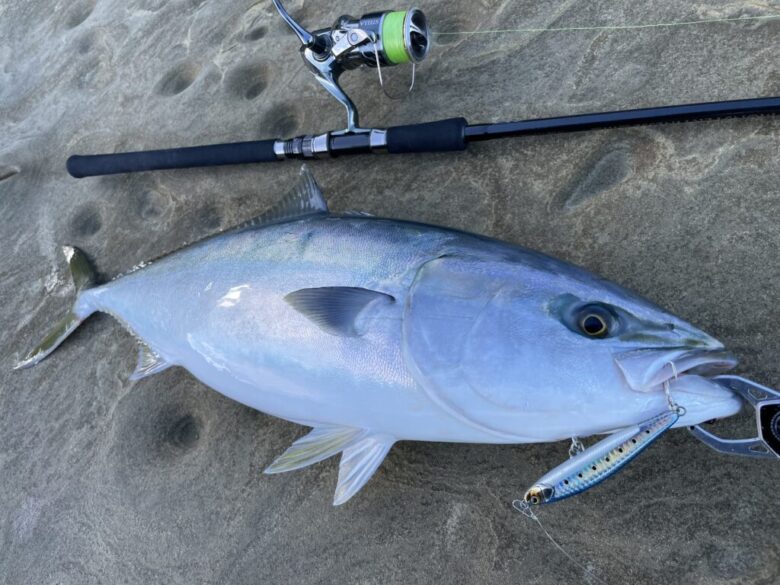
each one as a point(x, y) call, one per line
point(377, 39)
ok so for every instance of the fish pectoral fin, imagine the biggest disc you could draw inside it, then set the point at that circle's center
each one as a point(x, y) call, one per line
point(149, 363)
point(358, 463)
point(336, 309)
point(319, 444)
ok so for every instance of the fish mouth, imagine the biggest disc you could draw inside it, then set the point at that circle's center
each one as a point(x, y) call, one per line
point(702, 399)
point(684, 373)
point(647, 369)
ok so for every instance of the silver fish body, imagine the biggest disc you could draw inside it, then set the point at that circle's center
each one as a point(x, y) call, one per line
point(374, 330)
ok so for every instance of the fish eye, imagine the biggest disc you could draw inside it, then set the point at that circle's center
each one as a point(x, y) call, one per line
point(590, 319)
point(596, 321)
point(594, 325)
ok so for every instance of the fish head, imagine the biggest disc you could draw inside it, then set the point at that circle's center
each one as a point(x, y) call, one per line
point(535, 349)
point(631, 357)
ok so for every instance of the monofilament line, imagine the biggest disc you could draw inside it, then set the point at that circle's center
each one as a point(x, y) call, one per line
point(525, 509)
point(605, 27)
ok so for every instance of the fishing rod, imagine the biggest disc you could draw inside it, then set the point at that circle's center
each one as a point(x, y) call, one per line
point(377, 40)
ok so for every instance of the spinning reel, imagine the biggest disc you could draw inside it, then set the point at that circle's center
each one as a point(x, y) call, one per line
point(377, 39)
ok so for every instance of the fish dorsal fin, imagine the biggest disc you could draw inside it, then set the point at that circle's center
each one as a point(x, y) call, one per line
point(304, 199)
point(319, 444)
point(358, 463)
point(336, 309)
point(356, 213)
point(149, 363)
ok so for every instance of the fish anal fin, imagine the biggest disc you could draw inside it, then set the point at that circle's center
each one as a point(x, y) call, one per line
point(319, 444)
point(149, 363)
point(335, 309)
point(358, 463)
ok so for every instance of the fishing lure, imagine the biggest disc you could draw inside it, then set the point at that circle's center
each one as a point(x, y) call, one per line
point(597, 463)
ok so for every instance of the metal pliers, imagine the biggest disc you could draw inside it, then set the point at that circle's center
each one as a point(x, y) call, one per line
point(766, 403)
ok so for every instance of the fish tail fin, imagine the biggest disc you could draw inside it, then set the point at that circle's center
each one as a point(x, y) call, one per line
point(83, 276)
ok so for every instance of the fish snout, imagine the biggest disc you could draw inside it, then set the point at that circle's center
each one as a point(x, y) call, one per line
point(685, 335)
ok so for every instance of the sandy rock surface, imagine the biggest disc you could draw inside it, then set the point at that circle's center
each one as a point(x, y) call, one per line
point(103, 480)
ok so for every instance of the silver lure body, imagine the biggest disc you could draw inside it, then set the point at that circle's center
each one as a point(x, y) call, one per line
point(597, 463)
point(403, 332)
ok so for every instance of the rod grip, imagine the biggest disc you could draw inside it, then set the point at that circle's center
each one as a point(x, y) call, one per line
point(174, 158)
point(441, 136)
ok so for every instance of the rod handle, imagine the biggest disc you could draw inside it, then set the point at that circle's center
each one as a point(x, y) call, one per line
point(174, 158)
point(441, 136)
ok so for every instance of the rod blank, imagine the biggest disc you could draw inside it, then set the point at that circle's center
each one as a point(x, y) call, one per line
point(661, 115)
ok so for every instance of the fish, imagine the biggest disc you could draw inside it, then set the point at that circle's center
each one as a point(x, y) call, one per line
point(372, 331)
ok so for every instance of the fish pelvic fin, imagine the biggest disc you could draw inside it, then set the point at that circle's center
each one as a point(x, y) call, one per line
point(83, 276)
point(362, 454)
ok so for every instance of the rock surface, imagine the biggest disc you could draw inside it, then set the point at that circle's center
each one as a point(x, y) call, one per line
point(107, 481)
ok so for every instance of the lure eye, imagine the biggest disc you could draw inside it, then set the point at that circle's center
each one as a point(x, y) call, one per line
point(594, 325)
point(538, 494)
point(534, 496)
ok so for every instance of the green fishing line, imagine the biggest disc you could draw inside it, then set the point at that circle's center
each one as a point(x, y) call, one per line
point(393, 37)
point(604, 27)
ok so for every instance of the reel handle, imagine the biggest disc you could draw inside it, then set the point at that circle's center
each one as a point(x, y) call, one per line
point(308, 40)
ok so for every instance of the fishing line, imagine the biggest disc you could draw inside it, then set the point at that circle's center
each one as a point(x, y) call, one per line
point(604, 27)
point(381, 81)
point(576, 447)
point(525, 509)
point(673, 406)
